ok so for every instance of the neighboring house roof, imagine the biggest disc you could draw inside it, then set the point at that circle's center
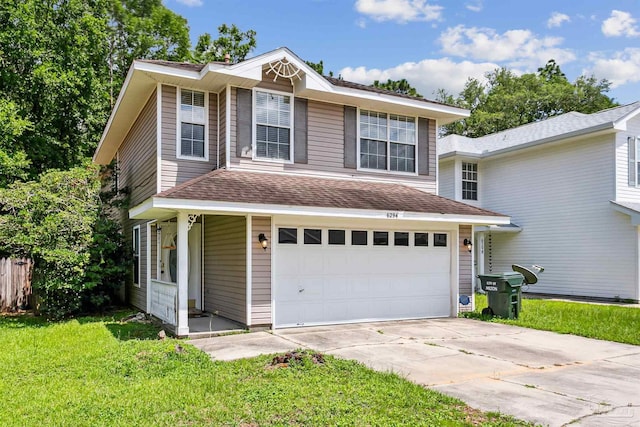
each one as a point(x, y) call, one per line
point(291, 191)
point(145, 75)
point(552, 129)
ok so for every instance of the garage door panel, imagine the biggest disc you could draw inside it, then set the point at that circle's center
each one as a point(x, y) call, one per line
point(343, 283)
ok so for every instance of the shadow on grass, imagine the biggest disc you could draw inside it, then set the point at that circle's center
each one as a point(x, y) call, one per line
point(125, 331)
point(27, 320)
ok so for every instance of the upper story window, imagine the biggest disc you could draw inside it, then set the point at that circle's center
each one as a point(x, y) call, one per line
point(469, 181)
point(387, 142)
point(273, 126)
point(634, 161)
point(193, 125)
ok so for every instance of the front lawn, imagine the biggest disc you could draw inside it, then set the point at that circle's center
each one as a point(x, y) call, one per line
point(605, 322)
point(91, 372)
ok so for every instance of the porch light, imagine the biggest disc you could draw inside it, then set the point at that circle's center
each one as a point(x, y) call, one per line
point(468, 244)
point(264, 242)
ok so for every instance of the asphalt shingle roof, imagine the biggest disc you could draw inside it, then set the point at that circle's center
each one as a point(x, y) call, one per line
point(294, 190)
point(557, 126)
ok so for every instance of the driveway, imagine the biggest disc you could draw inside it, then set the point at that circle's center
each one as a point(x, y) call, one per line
point(539, 376)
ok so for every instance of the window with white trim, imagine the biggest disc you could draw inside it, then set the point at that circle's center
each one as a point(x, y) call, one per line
point(273, 125)
point(136, 255)
point(387, 142)
point(634, 161)
point(469, 181)
point(193, 125)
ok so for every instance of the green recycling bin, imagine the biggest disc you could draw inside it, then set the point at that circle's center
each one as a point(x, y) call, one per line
point(503, 294)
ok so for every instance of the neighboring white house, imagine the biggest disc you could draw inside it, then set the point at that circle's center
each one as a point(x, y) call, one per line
point(571, 185)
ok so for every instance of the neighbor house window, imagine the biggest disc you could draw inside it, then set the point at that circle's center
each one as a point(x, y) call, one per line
point(469, 181)
point(634, 161)
point(421, 239)
point(193, 125)
point(136, 255)
point(273, 125)
point(336, 237)
point(312, 236)
point(387, 142)
point(401, 238)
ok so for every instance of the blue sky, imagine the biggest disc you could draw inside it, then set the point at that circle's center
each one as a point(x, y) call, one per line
point(440, 44)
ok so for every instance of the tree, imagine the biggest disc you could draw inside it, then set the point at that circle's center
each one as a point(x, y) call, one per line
point(508, 100)
point(231, 41)
point(143, 29)
point(401, 86)
point(13, 160)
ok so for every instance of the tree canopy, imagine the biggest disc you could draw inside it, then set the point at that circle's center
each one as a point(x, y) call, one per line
point(231, 41)
point(401, 86)
point(508, 100)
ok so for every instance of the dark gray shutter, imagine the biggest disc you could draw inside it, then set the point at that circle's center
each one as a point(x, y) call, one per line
point(243, 117)
point(423, 146)
point(350, 138)
point(300, 131)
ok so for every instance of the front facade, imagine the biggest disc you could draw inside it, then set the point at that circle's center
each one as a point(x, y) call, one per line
point(272, 196)
point(570, 185)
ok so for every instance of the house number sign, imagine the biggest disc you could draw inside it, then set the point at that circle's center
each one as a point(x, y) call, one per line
point(393, 215)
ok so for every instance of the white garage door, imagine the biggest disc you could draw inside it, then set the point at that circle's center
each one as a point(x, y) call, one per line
point(325, 276)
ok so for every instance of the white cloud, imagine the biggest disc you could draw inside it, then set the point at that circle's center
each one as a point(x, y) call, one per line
point(620, 24)
point(556, 19)
point(361, 22)
point(399, 10)
point(620, 68)
point(516, 48)
point(191, 3)
point(475, 6)
point(427, 76)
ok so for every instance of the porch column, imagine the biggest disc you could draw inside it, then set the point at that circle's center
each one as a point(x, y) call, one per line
point(182, 324)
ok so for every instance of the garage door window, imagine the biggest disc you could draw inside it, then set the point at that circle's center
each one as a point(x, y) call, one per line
point(401, 238)
point(288, 236)
point(336, 237)
point(421, 239)
point(312, 236)
point(359, 238)
point(439, 239)
point(380, 238)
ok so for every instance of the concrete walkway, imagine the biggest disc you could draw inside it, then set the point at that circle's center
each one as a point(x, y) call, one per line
point(543, 377)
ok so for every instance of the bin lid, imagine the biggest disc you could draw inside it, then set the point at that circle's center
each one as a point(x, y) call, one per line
point(529, 276)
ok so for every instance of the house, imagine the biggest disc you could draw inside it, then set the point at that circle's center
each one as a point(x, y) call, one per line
point(273, 196)
point(571, 186)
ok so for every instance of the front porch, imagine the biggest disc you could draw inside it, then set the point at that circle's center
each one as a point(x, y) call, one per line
point(224, 261)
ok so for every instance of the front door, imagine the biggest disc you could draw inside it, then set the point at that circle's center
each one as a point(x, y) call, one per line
point(169, 256)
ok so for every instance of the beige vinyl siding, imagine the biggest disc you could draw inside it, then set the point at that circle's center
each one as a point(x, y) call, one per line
point(225, 266)
point(137, 155)
point(325, 147)
point(260, 274)
point(281, 84)
point(176, 171)
point(560, 196)
point(465, 268)
point(623, 190)
point(222, 132)
point(136, 296)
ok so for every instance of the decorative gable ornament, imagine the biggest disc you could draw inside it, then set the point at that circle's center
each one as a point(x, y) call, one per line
point(285, 69)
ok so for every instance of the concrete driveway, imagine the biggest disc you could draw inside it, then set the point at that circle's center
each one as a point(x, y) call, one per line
point(543, 377)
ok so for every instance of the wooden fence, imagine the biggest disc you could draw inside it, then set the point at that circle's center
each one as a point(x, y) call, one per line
point(15, 283)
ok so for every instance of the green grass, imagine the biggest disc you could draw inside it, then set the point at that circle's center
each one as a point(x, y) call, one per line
point(100, 372)
point(605, 322)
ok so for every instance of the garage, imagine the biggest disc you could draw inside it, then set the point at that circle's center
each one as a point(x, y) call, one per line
point(340, 275)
